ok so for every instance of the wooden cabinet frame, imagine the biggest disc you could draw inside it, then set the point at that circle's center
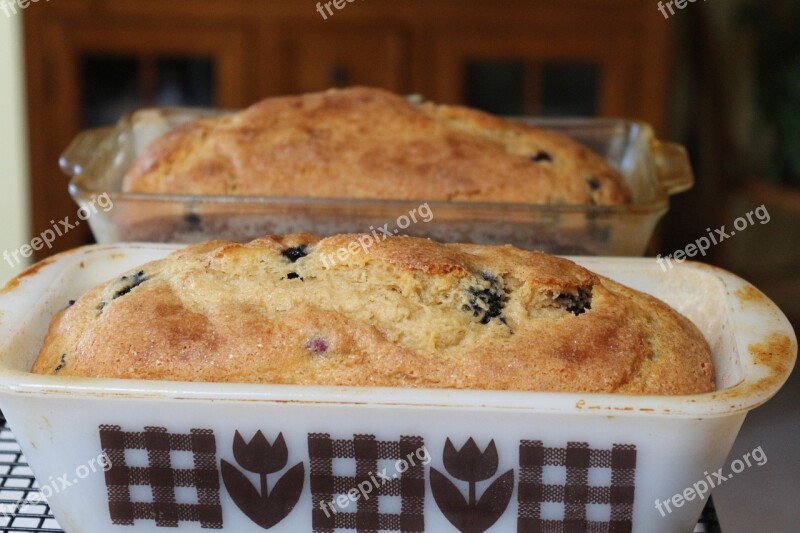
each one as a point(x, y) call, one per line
point(54, 97)
point(250, 43)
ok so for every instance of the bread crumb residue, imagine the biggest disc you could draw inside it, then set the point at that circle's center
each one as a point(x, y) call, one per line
point(749, 294)
point(775, 352)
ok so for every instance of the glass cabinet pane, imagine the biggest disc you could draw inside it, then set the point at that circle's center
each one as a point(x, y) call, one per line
point(112, 85)
point(109, 88)
point(528, 88)
point(184, 81)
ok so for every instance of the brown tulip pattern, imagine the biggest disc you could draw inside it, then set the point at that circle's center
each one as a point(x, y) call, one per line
point(470, 465)
point(455, 489)
point(258, 456)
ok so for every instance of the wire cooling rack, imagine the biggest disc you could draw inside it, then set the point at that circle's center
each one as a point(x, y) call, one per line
point(17, 484)
point(708, 520)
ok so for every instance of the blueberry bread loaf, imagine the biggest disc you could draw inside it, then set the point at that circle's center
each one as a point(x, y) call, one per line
point(369, 143)
point(405, 312)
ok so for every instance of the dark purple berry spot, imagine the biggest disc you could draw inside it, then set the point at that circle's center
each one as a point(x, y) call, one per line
point(576, 304)
point(487, 303)
point(293, 254)
point(62, 363)
point(317, 345)
point(192, 219)
point(293, 275)
point(542, 157)
point(594, 183)
point(131, 282)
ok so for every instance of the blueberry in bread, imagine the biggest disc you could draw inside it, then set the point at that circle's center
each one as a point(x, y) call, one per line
point(404, 312)
point(372, 144)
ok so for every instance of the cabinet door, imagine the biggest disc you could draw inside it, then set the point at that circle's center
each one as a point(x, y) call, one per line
point(540, 74)
point(84, 74)
point(320, 60)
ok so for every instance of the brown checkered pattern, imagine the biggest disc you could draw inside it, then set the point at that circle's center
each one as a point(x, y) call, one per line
point(161, 477)
point(366, 451)
point(576, 493)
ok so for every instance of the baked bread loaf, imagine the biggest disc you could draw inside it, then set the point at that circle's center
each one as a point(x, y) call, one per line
point(360, 311)
point(372, 144)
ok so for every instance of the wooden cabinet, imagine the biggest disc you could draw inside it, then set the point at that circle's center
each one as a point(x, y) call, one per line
point(89, 72)
point(89, 61)
point(606, 86)
point(318, 60)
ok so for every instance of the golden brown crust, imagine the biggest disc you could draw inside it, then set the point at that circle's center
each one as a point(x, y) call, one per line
point(369, 143)
point(406, 312)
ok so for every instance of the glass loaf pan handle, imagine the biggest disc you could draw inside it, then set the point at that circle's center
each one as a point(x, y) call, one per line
point(81, 150)
point(673, 168)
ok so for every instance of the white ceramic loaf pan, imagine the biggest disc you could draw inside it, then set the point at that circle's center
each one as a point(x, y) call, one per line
point(190, 455)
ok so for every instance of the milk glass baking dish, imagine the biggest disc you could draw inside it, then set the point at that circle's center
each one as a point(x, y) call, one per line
point(98, 159)
point(197, 456)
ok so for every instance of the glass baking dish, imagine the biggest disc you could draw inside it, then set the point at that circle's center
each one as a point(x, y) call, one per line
point(98, 159)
